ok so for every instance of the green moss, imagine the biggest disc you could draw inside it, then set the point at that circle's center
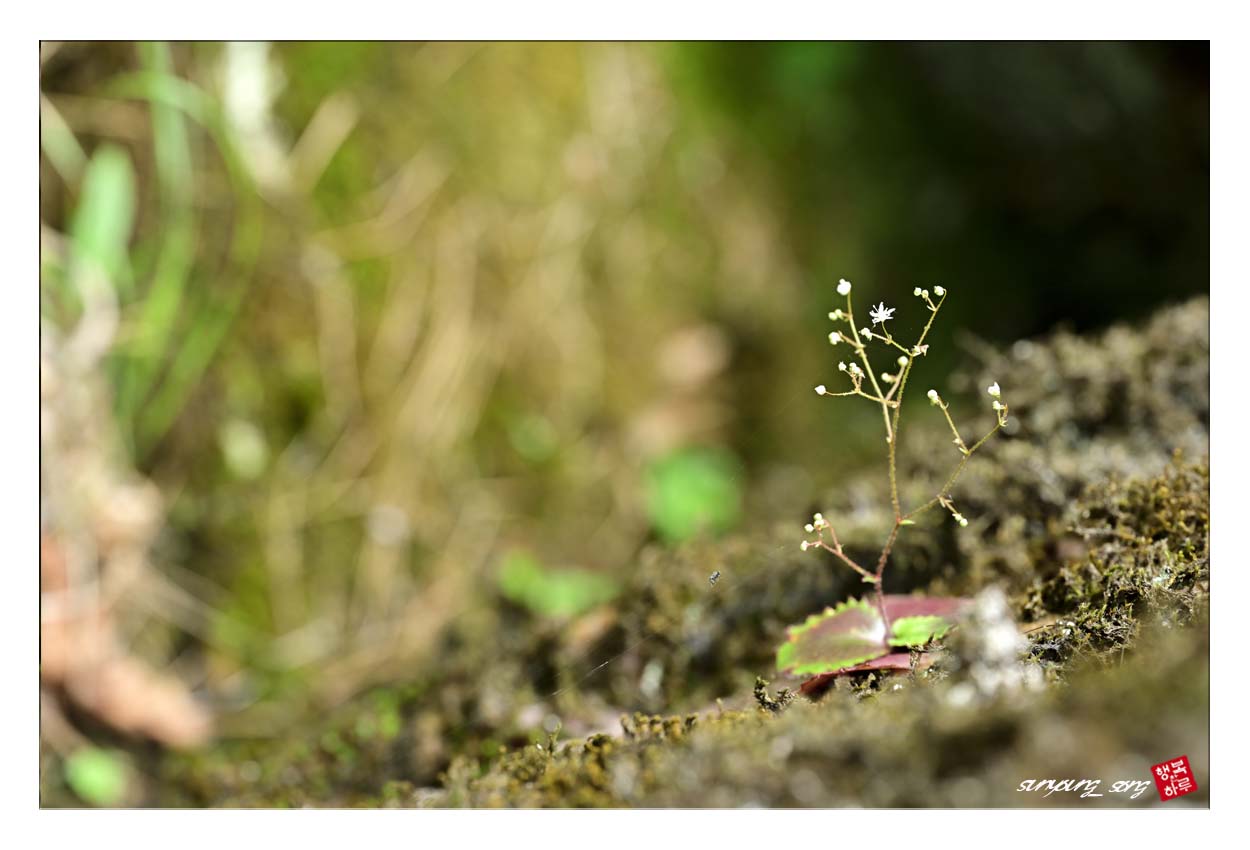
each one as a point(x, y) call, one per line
point(1099, 537)
point(1148, 557)
point(912, 744)
point(601, 771)
point(1084, 410)
point(763, 700)
point(376, 737)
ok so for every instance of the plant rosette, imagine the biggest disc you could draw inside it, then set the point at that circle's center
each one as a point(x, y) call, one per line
point(852, 637)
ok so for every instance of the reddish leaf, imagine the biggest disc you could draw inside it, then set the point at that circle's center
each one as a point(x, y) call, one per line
point(895, 662)
point(833, 639)
point(849, 639)
point(950, 607)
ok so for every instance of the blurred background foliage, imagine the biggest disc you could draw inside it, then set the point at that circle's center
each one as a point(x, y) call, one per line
point(400, 328)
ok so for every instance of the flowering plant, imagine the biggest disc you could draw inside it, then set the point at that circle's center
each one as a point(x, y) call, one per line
point(862, 634)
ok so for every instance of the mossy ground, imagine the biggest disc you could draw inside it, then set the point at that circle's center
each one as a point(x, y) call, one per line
point(1091, 514)
point(907, 744)
point(1125, 655)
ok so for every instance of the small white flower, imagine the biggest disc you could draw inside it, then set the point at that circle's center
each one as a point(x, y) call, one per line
point(842, 366)
point(809, 528)
point(963, 521)
point(998, 405)
point(865, 333)
point(881, 313)
point(939, 290)
point(994, 390)
point(820, 390)
point(818, 518)
point(902, 360)
point(844, 287)
point(916, 292)
point(835, 315)
point(934, 397)
point(855, 370)
point(835, 338)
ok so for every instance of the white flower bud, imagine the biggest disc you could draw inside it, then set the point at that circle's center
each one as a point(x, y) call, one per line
point(998, 405)
point(994, 390)
point(916, 292)
point(934, 397)
point(844, 287)
point(887, 377)
point(902, 360)
point(865, 333)
point(820, 390)
point(925, 293)
point(963, 521)
point(835, 338)
point(842, 366)
point(939, 290)
point(809, 528)
point(804, 545)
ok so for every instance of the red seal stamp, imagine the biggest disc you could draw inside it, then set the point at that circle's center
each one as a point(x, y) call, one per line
point(1173, 778)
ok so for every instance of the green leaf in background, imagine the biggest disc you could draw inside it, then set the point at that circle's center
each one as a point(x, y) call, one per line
point(99, 777)
point(533, 437)
point(917, 631)
point(849, 634)
point(189, 353)
point(243, 447)
point(59, 144)
point(693, 490)
point(552, 593)
point(155, 335)
point(101, 224)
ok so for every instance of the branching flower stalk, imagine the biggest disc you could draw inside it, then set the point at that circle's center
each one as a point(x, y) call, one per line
point(891, 402)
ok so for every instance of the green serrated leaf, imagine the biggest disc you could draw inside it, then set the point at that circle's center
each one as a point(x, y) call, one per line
point(849, 634)
point(917, 631)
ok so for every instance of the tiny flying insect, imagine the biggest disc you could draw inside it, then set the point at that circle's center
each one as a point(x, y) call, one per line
point(713, 578)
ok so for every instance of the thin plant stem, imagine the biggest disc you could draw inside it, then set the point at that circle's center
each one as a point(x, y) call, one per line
point(959, 441)
point(893, 400)
point(860, 392)
point(950, 482)
point(836, 549)
point(863, 355)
